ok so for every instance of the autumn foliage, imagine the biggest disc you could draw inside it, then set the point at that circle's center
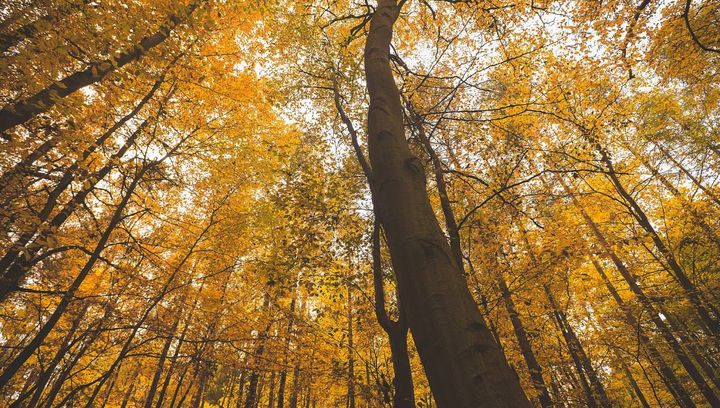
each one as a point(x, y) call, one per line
point(341, 203)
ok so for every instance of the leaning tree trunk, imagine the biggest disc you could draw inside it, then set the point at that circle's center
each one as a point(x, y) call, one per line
point(645, 302)
point(404, 396)
point(35, 343)
point(22, 111)
point(464, 365)
point(526, 349)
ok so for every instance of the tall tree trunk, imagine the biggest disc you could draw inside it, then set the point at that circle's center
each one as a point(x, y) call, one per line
point(271, 391)
point(689, 174)
point(648, 306)
point(179, 386)
point(698, 356)
point(199, 396)
point(707, 229)
point(22, 111)
point(87, 339)
point(636, 388)
point(525, 347)
point(176, 353)
point(450, 222)
point(404, 396)
point(131, 389)
point(30, 348)
point(350, 350)
point(283, 373)
point(594, 390)
point(676, 388)
point(241, 390)
point(65, 345)
point(161, 362)
point(295, 387)
point(463, 364)
point(252, 393)
point(18, 259)
point(709, 324)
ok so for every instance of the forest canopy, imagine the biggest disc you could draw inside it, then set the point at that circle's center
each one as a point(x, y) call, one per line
point(359, 204)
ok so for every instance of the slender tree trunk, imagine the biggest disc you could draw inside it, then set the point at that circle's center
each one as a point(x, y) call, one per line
point(649, 308)
point(199, 396)
point(597, 394)
point(404, 396)
point(178, 386)
point(295, 387)
point(196, 374)
point(28, 350)
point(634, 385)
point(131, 390)
point(271, 391)
point(402, 381)
point(283, 372)
point(108, 390)
point(675, 386)
point(18, 259)
point(450, 221)
point(252, 393)
point(463, 364)
point(525, 347)
point(161, 362)
point(241, 389)
point(350, 350)
point(689, 174)
point(557, 395)
point(171, 369)
point(22, 111)
point(65, 345)
point(87, 339)
point(709, 324)
point(692, 350)
point(707, 229)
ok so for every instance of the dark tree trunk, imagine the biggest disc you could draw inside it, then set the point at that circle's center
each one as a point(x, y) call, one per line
point(65, 345)
point(463, 364)
point(30, 348)
point(271, 391)
point(171, 369)
point(252, 391)
point(130, 391)
point(350, 350)
point(161, 362)
point(404, 396)
point(594, 390)
point(295, 387)
point(525, 347)
point(15, 263)
point(709, 324)
point(22, 111)
point(650, 309)
point(675, 386)
point(179, 386)
point(636, 388)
